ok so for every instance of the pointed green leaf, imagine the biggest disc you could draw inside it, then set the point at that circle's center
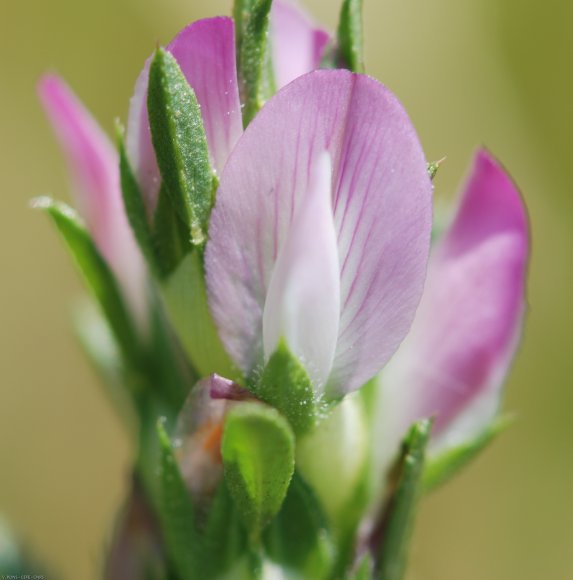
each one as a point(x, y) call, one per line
point(185, 298)
point(285, 385)
point(298, 537)
point(180, 143)
point(253, 54)
point(350, 35)
point(401, 511)
point(96, 273)
point(447, 464)
point(134, 206)
point(176, 512)
point(258, 455)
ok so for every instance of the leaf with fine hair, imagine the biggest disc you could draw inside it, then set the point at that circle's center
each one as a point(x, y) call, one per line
point(180, 144)
point(253, 54)
point(258, 456)
point(285, 384)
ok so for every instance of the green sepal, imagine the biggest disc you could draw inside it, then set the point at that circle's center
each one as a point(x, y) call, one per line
point(224, 537)
point(298, 538)
point(285, 385)
point(180, 144)
point(176, 512)
point(350, 36)
point(134, 205)
point(96, 273)
point(445, 465)
point(258, 450)
point(185, 297)
point(253, 54)
point(398, 521)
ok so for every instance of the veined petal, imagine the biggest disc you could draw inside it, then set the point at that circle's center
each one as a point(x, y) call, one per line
point(297, 44)
point(381, 197)
point(303, 299)
point(94, 166)
point(466, 331)
point(205, 51)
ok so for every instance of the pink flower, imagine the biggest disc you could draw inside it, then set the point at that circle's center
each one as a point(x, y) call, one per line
point(94, 166)
point(468, 325)
point(320, 232)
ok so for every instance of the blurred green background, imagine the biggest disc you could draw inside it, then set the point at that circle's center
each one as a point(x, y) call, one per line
point(496, 72)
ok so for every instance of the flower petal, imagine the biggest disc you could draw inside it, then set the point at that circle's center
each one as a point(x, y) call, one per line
point(303, 299)
point(205, 51)
point(382, 214)
point(297, 44)
point(454, 361)
point(94, 166)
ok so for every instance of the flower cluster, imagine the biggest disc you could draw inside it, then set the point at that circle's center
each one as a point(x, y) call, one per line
point(265, 232)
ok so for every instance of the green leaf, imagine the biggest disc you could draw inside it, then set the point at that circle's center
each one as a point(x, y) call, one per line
point(447, 464)
point(253, 54)
point(185, 298)
point(298, 537)
point(96, 273)
point(285, 385)
point(224, 537)
point(135, 207)
point(350, 35)
point(170, 236)
point(401, 511)
point(180, 143)
point(176, 512)
point(258, 456)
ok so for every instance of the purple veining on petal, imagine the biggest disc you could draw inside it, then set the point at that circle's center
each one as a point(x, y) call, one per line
point(382, 195)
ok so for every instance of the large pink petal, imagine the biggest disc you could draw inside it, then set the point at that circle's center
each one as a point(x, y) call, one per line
point(297, 44)
point(94, 166)
point(455, 359)
point(205, 51)
point(382, 214)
